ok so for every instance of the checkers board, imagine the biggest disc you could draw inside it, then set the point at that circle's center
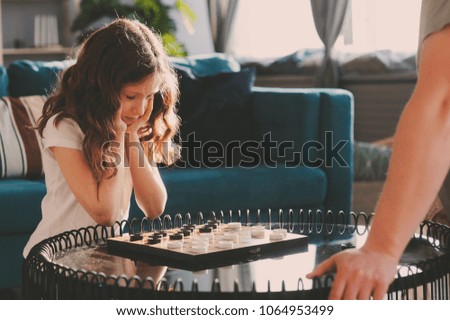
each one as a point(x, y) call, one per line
point(195, 247)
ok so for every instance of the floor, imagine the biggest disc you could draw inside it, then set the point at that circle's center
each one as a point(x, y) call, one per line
point(10, 294)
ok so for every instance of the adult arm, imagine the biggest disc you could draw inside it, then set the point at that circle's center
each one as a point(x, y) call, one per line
point(420, 161)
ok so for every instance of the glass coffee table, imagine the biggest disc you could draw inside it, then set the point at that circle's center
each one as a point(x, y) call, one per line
point(80, 263)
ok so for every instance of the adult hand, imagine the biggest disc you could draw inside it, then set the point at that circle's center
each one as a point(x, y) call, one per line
point(360, 274)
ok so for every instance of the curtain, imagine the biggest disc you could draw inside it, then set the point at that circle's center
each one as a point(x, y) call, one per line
point(328, 18)
point(221, 16)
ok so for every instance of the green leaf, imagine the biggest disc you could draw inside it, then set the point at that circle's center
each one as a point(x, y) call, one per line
point(153, 13)
point(186, 11)
point(172, 46)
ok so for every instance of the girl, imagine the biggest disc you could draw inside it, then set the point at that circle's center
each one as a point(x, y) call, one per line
point(104, 128)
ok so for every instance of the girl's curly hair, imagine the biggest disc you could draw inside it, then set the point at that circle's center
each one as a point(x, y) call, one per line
point(125, 51)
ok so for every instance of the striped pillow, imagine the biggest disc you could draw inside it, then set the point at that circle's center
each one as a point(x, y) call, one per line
point(20, 144)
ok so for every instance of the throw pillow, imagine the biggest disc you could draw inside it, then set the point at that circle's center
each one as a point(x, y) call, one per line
point(216, 110)
point(371, 161)
point(20, 144)
point(207, 64)
point(28, 78)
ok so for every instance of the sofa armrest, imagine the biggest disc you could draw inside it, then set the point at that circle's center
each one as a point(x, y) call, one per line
point(4, 82)
point(319, 121)
point(337, 117)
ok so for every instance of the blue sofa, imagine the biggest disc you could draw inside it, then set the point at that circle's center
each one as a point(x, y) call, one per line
point(309, 118)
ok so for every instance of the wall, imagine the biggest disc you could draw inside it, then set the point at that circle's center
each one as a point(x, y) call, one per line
point(200, 41)
point(379, 102)
point(18, 23)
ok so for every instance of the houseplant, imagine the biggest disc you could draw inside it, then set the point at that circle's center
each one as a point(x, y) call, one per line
point(154, 13)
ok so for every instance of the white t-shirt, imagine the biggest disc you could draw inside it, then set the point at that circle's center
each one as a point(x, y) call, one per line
point(60, 209)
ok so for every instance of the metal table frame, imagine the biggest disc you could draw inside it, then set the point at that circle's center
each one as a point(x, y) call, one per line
point(43, 279)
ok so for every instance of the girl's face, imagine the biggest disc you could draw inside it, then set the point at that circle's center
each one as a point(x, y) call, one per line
point(137, 97)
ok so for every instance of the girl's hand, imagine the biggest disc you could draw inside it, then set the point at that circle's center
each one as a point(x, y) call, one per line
point(133, 128)
point(120, 124)
point(360, 274)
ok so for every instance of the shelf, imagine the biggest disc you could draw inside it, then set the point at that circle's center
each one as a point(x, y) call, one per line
point(17, 23)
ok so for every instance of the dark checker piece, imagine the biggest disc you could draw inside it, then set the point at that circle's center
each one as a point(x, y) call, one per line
point(156, 236)
point(135, 236)
point(190, 227)
point(186, 232)
point(153, 240)
point(162, 233)
point(212, 225)
point(176, 236)
point(205, 230)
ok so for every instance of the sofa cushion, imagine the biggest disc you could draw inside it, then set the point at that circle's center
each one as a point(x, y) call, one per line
point(4, 82)
point(12, 260)
point(289, 119)
point(243, 188)
point(214, 111)
point(21, 145)
point(27, 78)
point(20, 202)
point(207, 64)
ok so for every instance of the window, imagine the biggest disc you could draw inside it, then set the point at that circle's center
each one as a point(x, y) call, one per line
point(381, 24)
point(267, 28)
